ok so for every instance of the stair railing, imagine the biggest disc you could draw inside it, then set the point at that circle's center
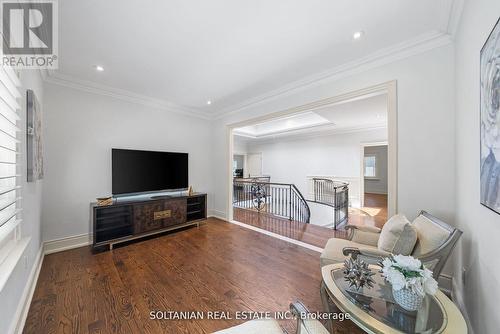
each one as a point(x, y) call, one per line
point(279, 199)
point(334, 194)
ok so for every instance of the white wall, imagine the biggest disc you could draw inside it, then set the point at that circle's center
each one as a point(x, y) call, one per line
point(240, 145)
point(425, 128)
point(81, 130)
point(11, 297)
point(377, 185)
point(291, 160)
point(478, 248)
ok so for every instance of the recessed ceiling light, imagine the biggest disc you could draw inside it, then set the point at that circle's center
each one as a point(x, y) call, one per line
point(209, 102)
point(99, 68)
point(358, 34)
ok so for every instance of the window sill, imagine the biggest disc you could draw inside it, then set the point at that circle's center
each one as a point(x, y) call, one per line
point(10, 263)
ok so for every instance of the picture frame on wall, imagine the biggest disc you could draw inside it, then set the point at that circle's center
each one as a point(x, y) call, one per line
point(490, 121)
point(34, 143)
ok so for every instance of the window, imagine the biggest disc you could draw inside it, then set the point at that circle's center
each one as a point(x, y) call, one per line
point(9, 174)
point(370, 166)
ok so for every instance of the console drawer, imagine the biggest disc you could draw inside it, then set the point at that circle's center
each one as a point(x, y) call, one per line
point(144, 217)
point(177, 209)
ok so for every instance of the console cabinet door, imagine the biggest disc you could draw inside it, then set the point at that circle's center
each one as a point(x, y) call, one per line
point(144, 217)
point(154, 216)
point(177, 208)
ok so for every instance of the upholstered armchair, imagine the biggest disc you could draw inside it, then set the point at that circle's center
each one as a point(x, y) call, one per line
point(433, 245)
point(271, 326)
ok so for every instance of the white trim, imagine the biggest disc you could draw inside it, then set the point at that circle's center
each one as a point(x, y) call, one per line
point(375, 192)
point(320, 133)
point(418, 45)
point(217, 214)
point(455, 16)
point(390, 88)
point(284, 131)
point(59, 245)
point(409, 48)
point(362, 170)
point(13, 258)
point(48, 247)
point(24, 305)
point(321, 130)
point(277, 236)
point(63, 244)
point(121, 94)
point(392, 149)
point(457, 297)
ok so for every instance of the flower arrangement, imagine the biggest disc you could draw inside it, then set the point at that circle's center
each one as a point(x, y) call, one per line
point(408, 276)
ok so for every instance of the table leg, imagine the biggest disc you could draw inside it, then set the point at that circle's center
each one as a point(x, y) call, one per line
point(326, 306)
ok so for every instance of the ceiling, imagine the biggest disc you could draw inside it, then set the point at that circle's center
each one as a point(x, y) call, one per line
point(365, 113)
point(186, 52)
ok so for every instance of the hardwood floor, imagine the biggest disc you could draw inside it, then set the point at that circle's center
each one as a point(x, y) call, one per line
point(216, 267)
point(374, 213)
point(309, 233)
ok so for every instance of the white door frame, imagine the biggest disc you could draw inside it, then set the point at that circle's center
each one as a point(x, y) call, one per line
point(390, 88)
point(362, 167)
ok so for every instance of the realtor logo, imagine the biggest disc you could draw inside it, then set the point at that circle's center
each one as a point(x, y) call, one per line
point(29, 30)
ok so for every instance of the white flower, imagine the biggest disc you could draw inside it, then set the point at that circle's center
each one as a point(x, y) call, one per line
point(406, 272)
point(408, 262)
point(426, 273)
point(430, 286)
point(396, 278)
point(386, 264)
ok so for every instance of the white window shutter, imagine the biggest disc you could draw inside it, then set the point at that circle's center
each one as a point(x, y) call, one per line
point(9, 161)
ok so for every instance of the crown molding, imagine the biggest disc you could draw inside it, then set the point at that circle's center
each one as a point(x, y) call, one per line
point(418, 45)
point(456, 10)
point(121, 94)
point(310, 127)
point(311, 133)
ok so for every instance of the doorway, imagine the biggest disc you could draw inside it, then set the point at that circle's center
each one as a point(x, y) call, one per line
point(239, 163)
point(268, 128)
point(374, 173)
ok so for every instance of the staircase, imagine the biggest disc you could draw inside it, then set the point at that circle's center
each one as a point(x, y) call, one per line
point(334, 194)
point(279, 199)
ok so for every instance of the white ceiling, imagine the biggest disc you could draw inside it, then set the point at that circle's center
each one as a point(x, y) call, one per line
point(361, 114)
point(185, 52)
point(283, 125)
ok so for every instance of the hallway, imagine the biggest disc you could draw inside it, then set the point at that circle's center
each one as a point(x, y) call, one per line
point(374, 213)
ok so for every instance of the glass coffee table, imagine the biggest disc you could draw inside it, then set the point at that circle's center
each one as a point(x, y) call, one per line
point(375, 311)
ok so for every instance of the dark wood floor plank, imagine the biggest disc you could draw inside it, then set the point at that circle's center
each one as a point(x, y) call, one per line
point(216, 267)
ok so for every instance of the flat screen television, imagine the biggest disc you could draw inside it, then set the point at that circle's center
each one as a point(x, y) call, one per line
point(136, 171)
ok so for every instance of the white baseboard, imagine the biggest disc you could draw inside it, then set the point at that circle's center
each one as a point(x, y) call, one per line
point(24, 305)
point(376, 192)
point(217, 214)
point(59, 245)
point(458, 299)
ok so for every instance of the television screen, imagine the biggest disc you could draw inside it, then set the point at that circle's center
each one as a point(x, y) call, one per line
point(147, 171)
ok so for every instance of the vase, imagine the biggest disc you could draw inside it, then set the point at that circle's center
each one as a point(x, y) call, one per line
point(408, 299)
